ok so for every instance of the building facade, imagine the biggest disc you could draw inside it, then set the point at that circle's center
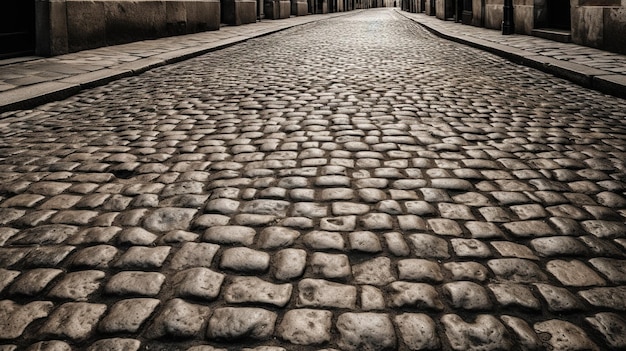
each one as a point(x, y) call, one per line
point(596, 23)
point(54, 27)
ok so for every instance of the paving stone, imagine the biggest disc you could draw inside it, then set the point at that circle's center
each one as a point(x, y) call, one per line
point(14, 318)
point(428, 246)
point(115, 344)
point(34, 281)
point(419, 270)
point(306, 326)
point(372, 195)
point(338, 224)
point(127, 316)
point(198, 282)
point(365, 331)
point(417, 331)
point(559, 299)
point(516, 270)
point(563, 335)
point(611, 326)
point(97, 256)
point(605, 229)
point(467, 295)
point(376, 271)
point(470, 248)
point(558, 246)
point(416, 295)
point(467, 271)
point(484, 230)
point(77, 285)
point(289, 263)
point(514, 295)
point(324, 240)
point(135, 283)
point(222, 206)
point(330, 266)
point(325, 294)
point(420, 208)
point(205, 348)
point(95, 235)
point(231, 323)
point(47, 256)
point(396, 244)
point(178, 319)
point(372, 298)
point(364, 241)
point(7, 277)
point(244, 259)
point(613, 269)
point(136, 236)
point(530, 228)
point(276, 208)
point(194, 255)
point(485, 333)
point(509, 249)
point(139, 257)
point(610, 297)
point(526, 336)
point(73, 320)
point(276, 237)
point(230, 235)
point(342, 208)
point(44, 235)
point(169, 218)
point(574, 273)
point(455, 211)
point(256, 290)
point(210, 220)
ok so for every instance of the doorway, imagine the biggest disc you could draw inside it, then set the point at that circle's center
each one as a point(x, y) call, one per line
point(559, 14)
point(17, 28)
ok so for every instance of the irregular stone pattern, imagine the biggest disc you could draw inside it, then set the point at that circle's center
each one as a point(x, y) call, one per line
point(349, 184)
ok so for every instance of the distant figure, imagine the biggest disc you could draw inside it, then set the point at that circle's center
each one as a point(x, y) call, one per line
point(394, 4)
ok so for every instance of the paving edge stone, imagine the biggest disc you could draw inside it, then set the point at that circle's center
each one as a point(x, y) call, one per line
point(588, 77)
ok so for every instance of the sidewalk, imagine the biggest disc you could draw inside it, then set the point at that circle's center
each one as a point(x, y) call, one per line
point(28, 82)
point(592, 68)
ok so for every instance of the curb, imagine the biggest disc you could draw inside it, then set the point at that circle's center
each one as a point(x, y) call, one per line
point(28, 97)
point(588, 77)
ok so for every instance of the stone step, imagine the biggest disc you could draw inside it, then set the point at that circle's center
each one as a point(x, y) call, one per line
point(560, 35)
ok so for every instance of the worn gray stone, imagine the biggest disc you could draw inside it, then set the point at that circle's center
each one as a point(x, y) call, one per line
point(178, 319)
point(198, 282)
point(73, 320)
point(306, 326)
point(417, 331)
point(127, 316)
point(231, 323)
point(563, 335)
point(485, 333)
point(366, 331)
point(256, 290)
point(14, 318)
point(194, 255)
point(325, 294)
point(245, 260)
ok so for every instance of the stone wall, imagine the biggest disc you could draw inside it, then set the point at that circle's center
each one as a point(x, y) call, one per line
point(602, 27)
point(73, 25)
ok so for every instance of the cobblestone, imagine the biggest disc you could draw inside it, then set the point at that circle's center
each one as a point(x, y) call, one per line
point(311, 190)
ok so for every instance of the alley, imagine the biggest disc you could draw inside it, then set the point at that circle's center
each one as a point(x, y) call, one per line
point(351, 184)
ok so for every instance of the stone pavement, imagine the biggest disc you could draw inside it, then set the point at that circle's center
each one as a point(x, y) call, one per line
point(30, 81)
point(308, 190)
point(589, 67)
point(27, 82)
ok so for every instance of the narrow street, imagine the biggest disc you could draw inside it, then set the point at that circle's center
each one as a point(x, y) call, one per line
point(312, 190)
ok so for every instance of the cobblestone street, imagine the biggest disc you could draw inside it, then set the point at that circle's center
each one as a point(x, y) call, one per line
point(351, 184)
